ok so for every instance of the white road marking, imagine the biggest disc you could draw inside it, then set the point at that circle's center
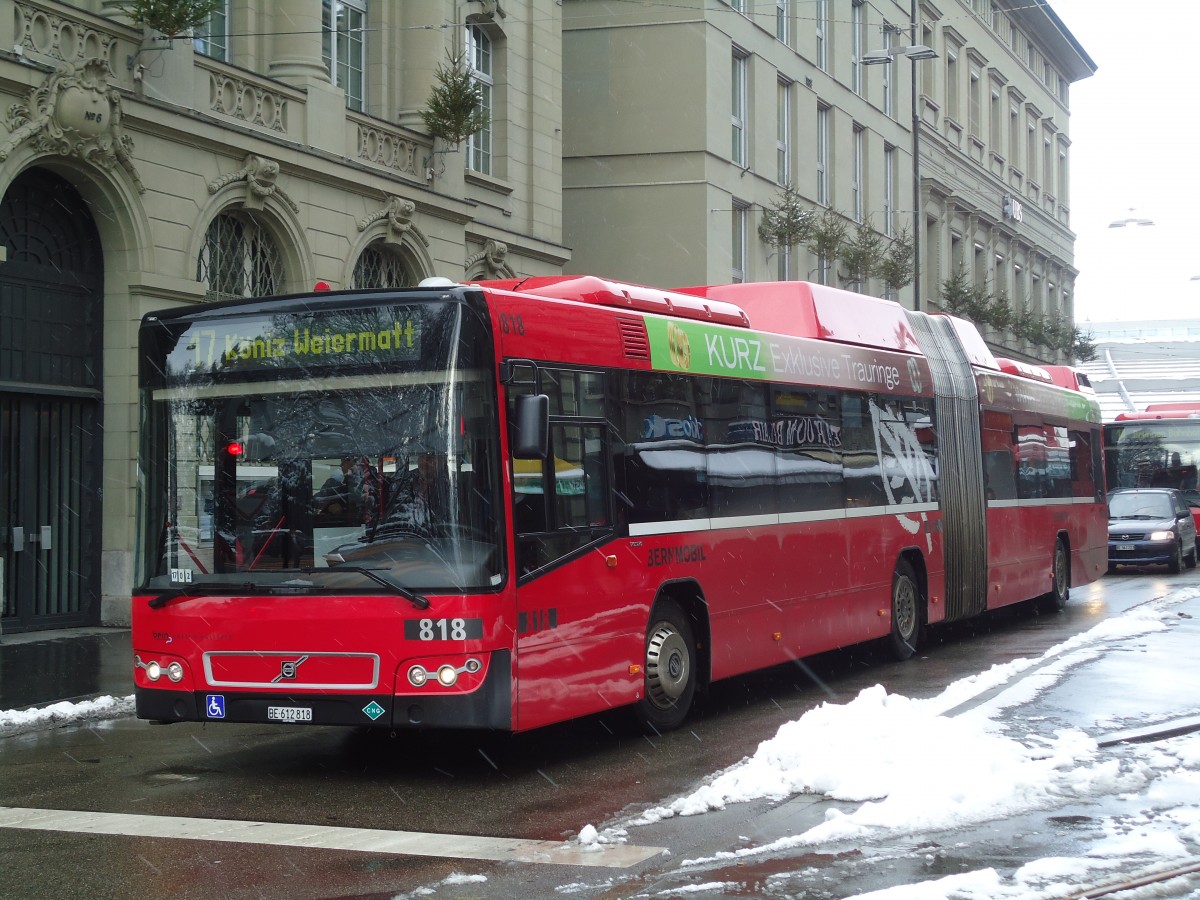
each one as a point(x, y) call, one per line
point(363, 840)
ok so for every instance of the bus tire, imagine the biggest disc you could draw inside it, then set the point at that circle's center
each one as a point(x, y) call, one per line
point(906, 612)
point(670, 669)
point(1060, 581)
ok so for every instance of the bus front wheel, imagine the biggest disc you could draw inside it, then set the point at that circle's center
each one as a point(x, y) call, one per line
point(906, 612)
point(670, 669)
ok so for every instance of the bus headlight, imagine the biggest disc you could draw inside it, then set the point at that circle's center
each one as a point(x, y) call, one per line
point(446, 673)
point(152, 671)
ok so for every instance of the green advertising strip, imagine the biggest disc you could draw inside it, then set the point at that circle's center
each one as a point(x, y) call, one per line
point(1020, 393)
point(701, 349)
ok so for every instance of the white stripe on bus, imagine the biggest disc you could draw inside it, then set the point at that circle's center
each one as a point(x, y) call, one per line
point(326, 837)
point(684, 526)
point(1043, 501)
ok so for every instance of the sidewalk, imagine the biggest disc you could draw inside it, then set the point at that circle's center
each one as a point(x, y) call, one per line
point(43, 667)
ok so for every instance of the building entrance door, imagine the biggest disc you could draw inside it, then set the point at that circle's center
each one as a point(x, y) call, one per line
point(50, 579)
point(51, 464)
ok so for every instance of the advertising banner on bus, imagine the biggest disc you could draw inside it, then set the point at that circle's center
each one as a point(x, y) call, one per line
point(701, 349)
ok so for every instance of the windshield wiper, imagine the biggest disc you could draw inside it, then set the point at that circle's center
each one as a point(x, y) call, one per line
point(200, 589)
point(412, 597)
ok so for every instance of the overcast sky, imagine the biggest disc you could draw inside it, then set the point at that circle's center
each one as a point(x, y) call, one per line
point(1134, 145)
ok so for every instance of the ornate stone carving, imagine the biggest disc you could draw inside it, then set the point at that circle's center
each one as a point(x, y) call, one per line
point(399, 214)
point(491, 9)
point(74, 113)
point(494, 258)
point(248, 102)
point(260, 175)
point(56, 37)
point(387, 149)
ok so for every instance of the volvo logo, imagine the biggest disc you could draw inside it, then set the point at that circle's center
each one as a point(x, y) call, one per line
point(287, 671)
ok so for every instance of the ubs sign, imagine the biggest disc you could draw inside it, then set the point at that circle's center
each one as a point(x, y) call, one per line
point(1013, 209)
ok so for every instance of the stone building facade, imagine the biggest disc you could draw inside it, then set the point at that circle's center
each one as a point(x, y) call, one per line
point(280, 147)
point(684, 121)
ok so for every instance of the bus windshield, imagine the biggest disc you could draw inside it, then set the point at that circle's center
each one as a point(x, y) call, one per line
point(339, 449)
point(1154, 454)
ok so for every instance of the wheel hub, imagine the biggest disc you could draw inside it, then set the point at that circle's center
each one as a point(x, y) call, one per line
point(667, 666)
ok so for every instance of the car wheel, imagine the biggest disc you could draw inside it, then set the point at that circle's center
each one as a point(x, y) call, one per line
point(906, 612)
point(670, 681)
point(1190, 559)
point(1176, 562)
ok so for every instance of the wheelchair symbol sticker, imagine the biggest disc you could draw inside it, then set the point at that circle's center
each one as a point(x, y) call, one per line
point(215, 706)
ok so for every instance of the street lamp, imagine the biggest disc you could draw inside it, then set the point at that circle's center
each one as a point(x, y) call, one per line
point(915, 53)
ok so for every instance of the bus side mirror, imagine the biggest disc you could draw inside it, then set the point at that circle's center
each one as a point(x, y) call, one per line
point(531, 427)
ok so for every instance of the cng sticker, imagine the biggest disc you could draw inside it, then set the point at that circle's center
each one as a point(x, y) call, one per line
point(373, 710)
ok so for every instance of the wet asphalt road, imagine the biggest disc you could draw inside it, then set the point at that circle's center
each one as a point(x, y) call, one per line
point(544, 785)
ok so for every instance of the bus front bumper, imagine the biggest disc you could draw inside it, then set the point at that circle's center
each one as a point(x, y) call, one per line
point(489, 706)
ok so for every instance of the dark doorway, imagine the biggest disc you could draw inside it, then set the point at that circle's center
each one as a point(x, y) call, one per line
point(50, 406)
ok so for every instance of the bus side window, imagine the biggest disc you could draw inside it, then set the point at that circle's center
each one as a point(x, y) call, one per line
point(1083, 473)
point(1032, 481)
point(860, 459)
point(806, 428)
point(661, 472)
point(740, 455)
point(579, 493)
point(998, 475)
point(903, 437)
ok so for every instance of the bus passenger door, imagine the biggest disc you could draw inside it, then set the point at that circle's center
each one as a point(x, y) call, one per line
point(568, 605)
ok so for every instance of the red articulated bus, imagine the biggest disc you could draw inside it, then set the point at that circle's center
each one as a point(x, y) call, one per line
point(1159, 447)
point(507, 504)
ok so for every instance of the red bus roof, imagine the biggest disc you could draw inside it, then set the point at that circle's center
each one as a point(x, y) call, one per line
point(1026, 370)
point(1068, 377)
point(795, 308)
point(803, 309)
point(590, 289)
point(1180, 410)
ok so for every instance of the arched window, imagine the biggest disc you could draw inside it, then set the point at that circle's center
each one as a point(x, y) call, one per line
point(380, 267)
point(239, 259)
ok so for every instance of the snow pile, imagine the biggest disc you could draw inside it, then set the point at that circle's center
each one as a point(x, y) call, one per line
point(105, 707)
point(877, 751)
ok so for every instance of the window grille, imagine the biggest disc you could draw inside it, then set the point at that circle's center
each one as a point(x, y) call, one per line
point(378, 267)
point(239, 259)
